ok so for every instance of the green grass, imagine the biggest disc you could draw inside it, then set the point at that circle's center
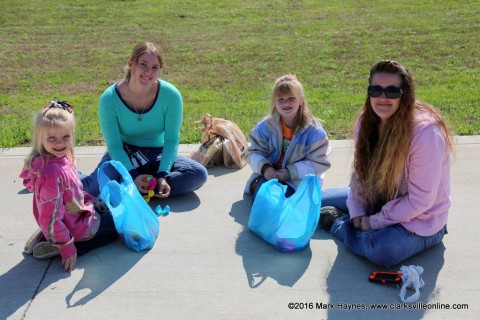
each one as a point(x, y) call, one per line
point(225, 55)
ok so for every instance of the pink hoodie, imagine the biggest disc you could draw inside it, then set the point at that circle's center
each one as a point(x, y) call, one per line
point(61, 208)
point(423, 197)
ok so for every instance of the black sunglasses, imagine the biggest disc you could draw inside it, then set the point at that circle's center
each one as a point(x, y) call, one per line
point(391, 92)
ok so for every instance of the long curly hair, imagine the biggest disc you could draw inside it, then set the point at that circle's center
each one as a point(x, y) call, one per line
point(379, 161)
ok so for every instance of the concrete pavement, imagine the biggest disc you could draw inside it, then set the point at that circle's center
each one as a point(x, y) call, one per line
point(206, 264)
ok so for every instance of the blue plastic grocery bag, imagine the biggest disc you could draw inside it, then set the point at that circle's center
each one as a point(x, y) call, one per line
point(287, 223)
point(133, 217)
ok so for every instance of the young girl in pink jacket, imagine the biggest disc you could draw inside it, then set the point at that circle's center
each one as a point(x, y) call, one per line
point(71, 221)
point(399, 193)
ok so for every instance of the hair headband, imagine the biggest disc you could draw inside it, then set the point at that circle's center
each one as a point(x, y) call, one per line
point(60, 104)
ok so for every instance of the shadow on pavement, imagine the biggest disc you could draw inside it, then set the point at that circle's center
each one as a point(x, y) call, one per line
point(21, 276)
point(260, 259)
point(102, 268)
point(220, 170)
point(184, 203)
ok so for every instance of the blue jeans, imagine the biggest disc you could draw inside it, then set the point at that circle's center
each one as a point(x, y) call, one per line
point(385, 247)
point(185, 176)
point(335, 197)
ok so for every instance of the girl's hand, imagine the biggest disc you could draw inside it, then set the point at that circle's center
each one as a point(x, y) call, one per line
point(283, 175)
point(141, 182)
point(69, 263)
point(163, 188)
point(100, 206)
point(270, 173)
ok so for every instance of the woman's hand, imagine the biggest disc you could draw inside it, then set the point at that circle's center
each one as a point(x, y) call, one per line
point(365, 224)
point(141, 182)
point(357, 222)
point(362, 222)
point(69, 263)
point(163, 188)
point(283, 174)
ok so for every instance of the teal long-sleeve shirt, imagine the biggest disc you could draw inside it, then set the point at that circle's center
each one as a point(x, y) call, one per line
point(159, 127)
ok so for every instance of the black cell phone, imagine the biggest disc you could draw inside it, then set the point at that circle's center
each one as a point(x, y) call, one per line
point(386, 277)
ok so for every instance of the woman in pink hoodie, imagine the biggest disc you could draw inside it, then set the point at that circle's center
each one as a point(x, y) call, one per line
point(399, 194)
point(72, 221)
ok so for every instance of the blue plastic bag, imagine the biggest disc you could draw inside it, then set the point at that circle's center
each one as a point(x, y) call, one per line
point(133, 217)
point(287, 223)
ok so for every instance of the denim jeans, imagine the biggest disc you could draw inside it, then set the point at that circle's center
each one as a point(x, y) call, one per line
point(186, 175)
point(106, 234)
point(385, 247)
point(335, 197)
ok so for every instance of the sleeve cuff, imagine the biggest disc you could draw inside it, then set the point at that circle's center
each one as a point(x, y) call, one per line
point(68, 250)
point(293, 172)
point(374, 222)
point(162, 174)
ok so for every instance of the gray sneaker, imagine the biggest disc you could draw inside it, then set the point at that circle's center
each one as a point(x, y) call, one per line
point(45, 250)
point(328, 215)
point(34, 239)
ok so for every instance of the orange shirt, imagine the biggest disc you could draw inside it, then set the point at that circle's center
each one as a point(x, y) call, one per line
point(287, 138)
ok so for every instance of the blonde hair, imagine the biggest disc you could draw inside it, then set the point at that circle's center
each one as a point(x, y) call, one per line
point(50, 117)
point(290, 85)
point(378, 162)
point(141, 48)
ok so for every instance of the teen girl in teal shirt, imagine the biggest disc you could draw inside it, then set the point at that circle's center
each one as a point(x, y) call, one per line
point(140, 118)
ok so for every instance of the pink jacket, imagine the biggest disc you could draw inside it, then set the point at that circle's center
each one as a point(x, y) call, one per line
point(61, 208)
point(423, 195)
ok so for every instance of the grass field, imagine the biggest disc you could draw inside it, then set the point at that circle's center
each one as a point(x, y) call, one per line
point(225, 55)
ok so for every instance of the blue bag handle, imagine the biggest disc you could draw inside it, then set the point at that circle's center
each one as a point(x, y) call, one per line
point(309, 181)
point(103, 178)
point(310, 189)
point(111, 196)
